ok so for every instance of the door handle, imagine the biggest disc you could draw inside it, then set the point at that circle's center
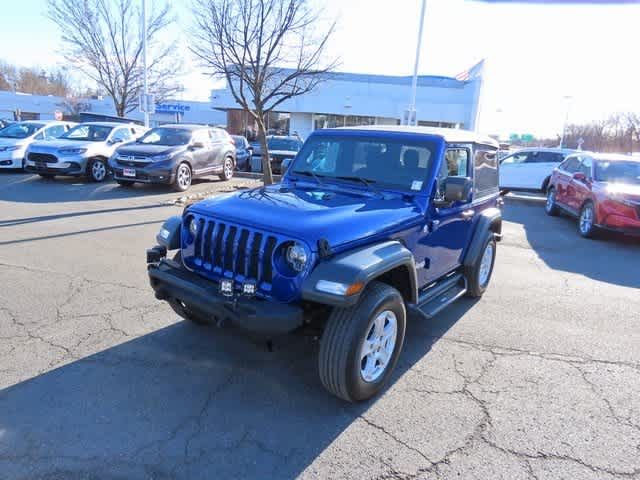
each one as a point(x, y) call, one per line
point(467, 214)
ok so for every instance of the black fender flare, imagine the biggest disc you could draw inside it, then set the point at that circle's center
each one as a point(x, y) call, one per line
point(169, 234)
point(359, 266)
point(489, 221)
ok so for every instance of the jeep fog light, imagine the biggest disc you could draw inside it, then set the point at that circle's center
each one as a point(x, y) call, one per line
point(296, 257)
point(226, 288)
point(336, 288)
point(249, 289)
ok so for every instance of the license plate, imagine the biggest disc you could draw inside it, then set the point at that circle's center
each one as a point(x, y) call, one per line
point(129, 172)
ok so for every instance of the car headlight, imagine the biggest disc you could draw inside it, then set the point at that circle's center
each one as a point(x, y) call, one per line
point(296, 257)
point(72, 151)
point(193, 227)
point(161, 157)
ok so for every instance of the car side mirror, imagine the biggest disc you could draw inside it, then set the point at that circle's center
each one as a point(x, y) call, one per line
point(455, 189)
point(580, 177)
point(195, 145)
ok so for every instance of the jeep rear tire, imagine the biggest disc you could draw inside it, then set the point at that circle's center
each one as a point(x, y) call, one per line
point(361, 344)
point(479, 275)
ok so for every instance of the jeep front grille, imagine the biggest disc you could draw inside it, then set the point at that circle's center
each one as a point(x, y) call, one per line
point(234, 251)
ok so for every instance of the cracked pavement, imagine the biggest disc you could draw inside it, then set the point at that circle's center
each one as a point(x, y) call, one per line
point(540, 379)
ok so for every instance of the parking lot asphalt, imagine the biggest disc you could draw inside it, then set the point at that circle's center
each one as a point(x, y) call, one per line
point(539, 379)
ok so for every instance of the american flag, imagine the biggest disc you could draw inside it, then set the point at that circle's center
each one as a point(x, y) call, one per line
point(463, 76)
point(470, 73)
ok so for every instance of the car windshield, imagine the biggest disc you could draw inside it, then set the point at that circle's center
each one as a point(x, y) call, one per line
point(20, 130)
point(395, 163)
point(618, 171)
point(166, 136)
point(88, 133)
point(288, 144)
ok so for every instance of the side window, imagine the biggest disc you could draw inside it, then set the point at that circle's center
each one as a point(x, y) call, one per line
point(53, 132)
point(485, 163)
point(39, 136)
point(544, 157)
point(455, 164)
point(515, 159)
point(202, 136)
point(571, 165)
point(585, 167)
point(121, 134)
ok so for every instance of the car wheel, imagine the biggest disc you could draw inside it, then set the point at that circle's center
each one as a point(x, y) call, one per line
point(550, 207)
point(97, 169)
point(125, 183)
point(361, 344)
point(227, 169)
point(545, 184)
point(587, 220)
point(23, 164)
point(46, 176)
point(479, 274)
point(183, 309)
point(183, 178)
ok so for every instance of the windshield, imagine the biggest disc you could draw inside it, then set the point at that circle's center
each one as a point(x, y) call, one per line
point(20, 130)
point(88, 133)
point(397, 164)
point(618, 172)
point(291, 145)
point(166, 136)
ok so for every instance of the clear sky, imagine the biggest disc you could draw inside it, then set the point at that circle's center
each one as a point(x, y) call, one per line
point(536, 53)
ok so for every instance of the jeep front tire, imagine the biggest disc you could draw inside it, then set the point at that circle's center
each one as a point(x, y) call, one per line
point(361, 344)
point(479, 275)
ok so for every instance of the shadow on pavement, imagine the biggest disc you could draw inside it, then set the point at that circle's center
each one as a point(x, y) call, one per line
point(70, 189)
point(188, 402)
point(611, 258)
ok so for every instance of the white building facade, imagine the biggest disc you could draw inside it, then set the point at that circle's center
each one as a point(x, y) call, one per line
point(347, 99)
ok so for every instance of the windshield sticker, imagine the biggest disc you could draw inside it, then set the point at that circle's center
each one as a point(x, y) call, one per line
point(416, 185)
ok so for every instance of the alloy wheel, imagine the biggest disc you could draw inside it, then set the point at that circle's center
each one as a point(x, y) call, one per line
point(228, 168)
point(184, 176)
point(98, 171)
point(377, 347)
point(586, 219)
point(485, 265)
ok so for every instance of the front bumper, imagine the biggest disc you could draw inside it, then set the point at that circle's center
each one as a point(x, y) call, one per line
point(143, 175)
point(171, 282)
point(72, 168)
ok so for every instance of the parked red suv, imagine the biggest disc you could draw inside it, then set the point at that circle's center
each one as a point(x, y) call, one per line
point(601, 190)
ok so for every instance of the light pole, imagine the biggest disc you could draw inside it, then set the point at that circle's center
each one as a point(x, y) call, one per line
point(566, 119)
point(411, 113)
point(145, 86)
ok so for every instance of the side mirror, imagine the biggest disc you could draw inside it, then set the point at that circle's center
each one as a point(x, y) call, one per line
point(113, 141)
point(455, 189)
point(195, 145)
point(580, 177)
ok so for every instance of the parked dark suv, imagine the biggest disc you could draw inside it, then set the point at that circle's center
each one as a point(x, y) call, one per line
point(366, 224)
point(175, 154)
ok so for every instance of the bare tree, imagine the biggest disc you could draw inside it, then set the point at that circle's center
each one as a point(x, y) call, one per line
point(104, 41)
point(267, 50)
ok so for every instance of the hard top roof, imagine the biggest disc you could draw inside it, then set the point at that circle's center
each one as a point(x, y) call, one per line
point(449, 135)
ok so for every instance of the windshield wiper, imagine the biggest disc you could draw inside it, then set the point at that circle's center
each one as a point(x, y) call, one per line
point(368, 182)
point(311, 173)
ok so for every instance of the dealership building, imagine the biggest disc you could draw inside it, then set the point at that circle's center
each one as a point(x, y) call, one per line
point(349, 99)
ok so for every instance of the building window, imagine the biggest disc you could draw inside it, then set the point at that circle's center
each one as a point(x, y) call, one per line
point(426, 123)
point(332, 121)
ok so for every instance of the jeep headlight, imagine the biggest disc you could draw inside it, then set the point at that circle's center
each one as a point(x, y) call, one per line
point(72, 151)
point(296, 257)
point(193, 227)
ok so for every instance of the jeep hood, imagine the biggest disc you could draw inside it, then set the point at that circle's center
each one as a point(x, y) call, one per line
point(312, 213)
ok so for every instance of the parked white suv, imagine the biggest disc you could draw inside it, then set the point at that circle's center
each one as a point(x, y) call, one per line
point(530, 169)
point(16, 137)
point(83, 150)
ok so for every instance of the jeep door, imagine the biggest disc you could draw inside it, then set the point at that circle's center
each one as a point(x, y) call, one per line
point(447, 229)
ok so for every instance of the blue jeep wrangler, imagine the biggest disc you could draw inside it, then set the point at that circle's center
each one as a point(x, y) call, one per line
point(367, 223)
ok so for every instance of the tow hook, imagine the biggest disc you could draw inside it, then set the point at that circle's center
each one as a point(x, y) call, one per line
point(155, 254)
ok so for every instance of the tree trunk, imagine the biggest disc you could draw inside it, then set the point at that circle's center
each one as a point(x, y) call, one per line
point(264, 151)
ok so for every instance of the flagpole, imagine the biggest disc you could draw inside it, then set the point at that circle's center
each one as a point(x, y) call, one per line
point(145, 86)
point(412, 117)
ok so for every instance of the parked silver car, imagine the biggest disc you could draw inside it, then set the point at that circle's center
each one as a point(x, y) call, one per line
point(83, 150)
point(16, 137)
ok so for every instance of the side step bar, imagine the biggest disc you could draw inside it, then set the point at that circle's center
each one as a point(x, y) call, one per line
point(442, 294)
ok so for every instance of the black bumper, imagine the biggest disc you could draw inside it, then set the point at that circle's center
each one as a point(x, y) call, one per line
point(145, 175)
point(171, 282)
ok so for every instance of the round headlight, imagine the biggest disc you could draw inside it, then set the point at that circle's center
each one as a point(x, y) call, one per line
point(193, 227)
point(296, 257)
